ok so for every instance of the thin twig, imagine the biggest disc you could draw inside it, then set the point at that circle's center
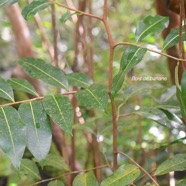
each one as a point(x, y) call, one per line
point(141, 168)
point(74, 172)
point(33, 99)
point(151, 50)
point(75, 10)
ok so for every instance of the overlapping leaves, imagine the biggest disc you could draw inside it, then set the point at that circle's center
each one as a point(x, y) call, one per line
point(31, 125)
point(131, 57)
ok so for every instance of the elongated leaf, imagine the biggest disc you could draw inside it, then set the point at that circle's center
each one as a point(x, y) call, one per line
point(95, 96)
point(177, 163)
point(160, 117)
point(66, 17)
point(136, 89)
point(60, 110)
point(39, 133)
point(6, 90)
point(29, 168)
point(12, 134)
point(173, 38)
point(35, 7)
point(183, 87)
point(87, 179)
point(175, 120)
point(56, 183)
point(22, 85)
point(79, 80)
point(37, 68)
point(131, 57)
point(181, 183)
point(150, 25)
point(4, 3)
point(55, 161)
point(181, 100)
point(124, 175)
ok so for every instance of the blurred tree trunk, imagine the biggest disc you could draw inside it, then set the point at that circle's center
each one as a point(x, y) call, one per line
point(163, 9)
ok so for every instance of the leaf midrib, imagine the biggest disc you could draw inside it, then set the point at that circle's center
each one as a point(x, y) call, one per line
point(35, 93)
point(10, 133)
point(148, 28)
point(172, 166)
point(37, 7)
point(47, 75)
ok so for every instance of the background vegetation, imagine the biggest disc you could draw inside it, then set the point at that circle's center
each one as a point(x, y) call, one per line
point(142, 124)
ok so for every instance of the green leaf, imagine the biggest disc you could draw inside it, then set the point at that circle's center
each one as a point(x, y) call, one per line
point(56, 183)
point(6, 90)
point(175, 120)
point(183, 87)
point(4, 3)
point(181, 100)
point(95, 96)
point(87, 179)
point(59, 108)
point(12, 135)
point(177, 163)
point(181, 183)
point(131, 57)
point(34, 7)
point(79, 80)
point(39, 69)
point(160, 117)
point(173, 38)
point(124, 175)
point(22, 85)
point(29, 168)
point(139, 88)
point(150, 25)
point(39, 132)
point(55, 161)
point(65, 17)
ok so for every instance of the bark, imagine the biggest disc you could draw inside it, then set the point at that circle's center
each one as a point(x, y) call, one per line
point(163, 9)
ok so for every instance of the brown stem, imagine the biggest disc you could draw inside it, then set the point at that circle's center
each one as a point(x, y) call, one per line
point(34, 99)
point(55, 35)
point(75, 10)
point(74, 172)
point(151, 50)
point(111, 58)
